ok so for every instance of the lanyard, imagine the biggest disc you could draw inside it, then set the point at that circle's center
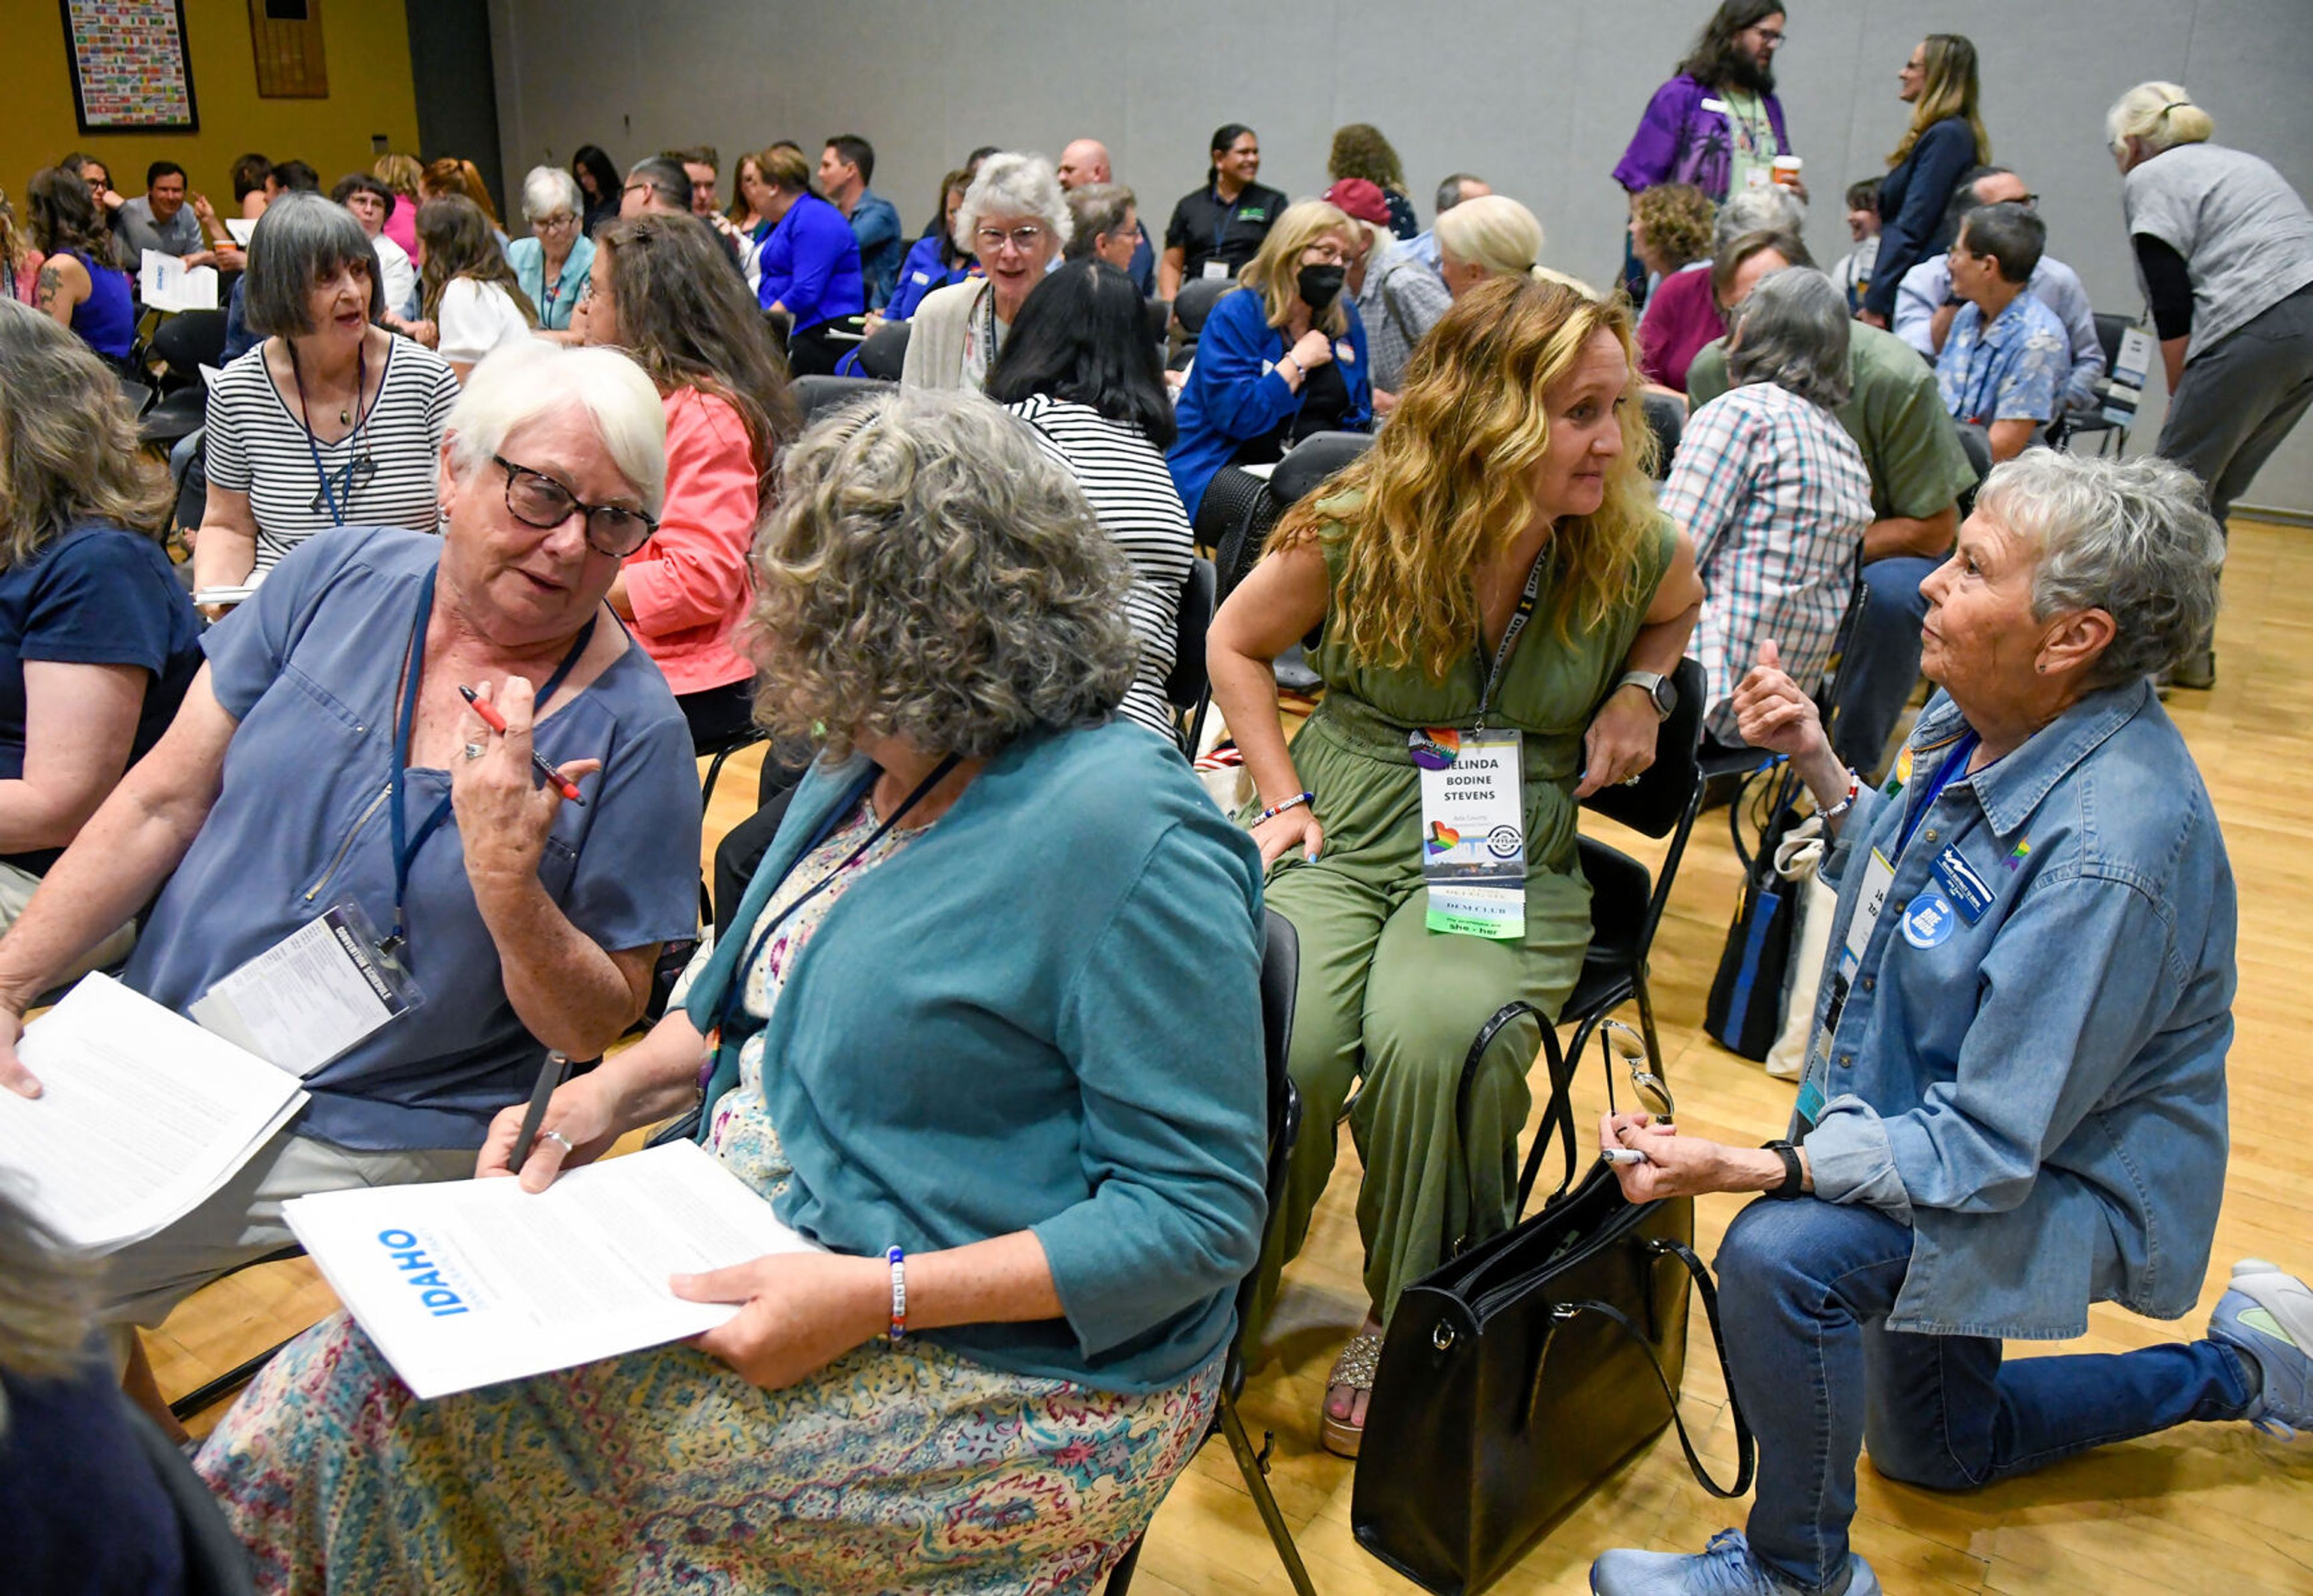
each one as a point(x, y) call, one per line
point(1954, 763)
point(405, 847)
point(736, 991)
point(1524, 613)
point(361, 419)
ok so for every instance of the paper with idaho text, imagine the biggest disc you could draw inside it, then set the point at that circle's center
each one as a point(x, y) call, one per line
point(471, 1282)
point(142, 1116)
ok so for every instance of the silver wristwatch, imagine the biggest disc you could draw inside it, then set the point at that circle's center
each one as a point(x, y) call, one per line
point(1660, 689)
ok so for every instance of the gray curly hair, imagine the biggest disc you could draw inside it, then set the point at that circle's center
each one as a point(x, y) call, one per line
point(1011, 184)
point(929, 574)
point(2133, 537)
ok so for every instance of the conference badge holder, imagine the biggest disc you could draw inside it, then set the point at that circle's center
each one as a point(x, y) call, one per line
point(1472, 830)
point(314, 993)
point(2123, 389)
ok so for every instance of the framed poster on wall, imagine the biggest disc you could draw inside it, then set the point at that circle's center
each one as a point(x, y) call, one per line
point(130, 69)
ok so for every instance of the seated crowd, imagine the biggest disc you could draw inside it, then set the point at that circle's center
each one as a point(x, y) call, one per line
point(574, 472)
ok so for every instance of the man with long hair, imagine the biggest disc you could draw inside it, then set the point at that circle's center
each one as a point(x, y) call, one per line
point(1716, 123)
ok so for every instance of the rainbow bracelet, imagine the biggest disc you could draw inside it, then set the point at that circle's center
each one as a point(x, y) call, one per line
point(898, 1260)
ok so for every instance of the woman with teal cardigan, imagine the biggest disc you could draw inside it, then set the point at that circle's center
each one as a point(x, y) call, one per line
point(987, 1028)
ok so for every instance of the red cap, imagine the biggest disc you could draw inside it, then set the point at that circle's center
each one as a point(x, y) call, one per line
point(1361, 199)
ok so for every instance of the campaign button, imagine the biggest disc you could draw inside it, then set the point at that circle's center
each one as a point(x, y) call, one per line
point(1929, 920)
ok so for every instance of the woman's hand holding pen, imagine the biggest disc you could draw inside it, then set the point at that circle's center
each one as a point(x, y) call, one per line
point(583, 1119)
point(502, 813)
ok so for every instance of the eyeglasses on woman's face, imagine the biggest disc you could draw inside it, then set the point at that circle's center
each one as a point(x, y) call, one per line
point(559, 223)
point(538, 500)
point(1324, 252)
point(1027, 238)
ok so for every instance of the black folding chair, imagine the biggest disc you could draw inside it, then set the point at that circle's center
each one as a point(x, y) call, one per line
point(886, 352)
point(1187, 687)
point(817, 395)
point(2111, 436)
point(1666, 417)
point(1281, 973)
point(1626, 910)
point(216, 1562)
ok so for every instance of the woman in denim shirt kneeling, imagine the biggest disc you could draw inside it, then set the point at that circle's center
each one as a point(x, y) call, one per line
point(2015, 1101)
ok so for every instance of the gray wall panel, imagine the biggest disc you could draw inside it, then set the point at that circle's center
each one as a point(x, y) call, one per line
point(1538, 95)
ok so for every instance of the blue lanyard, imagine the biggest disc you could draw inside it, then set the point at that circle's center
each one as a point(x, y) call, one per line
point(361, 419)
point(405, 847)
point(1954, 762)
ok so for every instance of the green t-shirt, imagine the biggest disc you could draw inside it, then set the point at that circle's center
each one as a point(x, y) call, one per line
point(1752, 146)
point(1895, 415)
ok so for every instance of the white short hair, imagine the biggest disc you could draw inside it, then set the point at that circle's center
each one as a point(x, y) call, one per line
point(1771, 209)
point(547, 189)
point(520, 383)
point(1011, 184)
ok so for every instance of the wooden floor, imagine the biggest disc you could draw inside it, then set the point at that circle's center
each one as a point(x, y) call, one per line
point(2215, 1508)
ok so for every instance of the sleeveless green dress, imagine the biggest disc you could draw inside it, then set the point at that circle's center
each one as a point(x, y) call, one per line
point(1382, 997)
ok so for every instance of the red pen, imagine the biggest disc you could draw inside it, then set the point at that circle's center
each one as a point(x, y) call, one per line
point(496, 723)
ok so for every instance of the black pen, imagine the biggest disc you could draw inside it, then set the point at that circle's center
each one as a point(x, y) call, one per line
point(550, 1077)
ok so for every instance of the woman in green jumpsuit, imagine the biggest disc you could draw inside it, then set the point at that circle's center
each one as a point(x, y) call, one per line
point(1509, 487)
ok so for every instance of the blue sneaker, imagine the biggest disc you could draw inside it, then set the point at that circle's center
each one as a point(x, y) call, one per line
point(1725, 1568)
point(2266, 1315)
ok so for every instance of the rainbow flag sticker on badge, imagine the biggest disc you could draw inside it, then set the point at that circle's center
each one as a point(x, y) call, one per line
point(1443, 839)
point(2022, 851)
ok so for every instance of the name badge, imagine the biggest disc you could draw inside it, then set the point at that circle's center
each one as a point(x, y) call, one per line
point(1216, 269)
point(1711, 104)
point(1970, 891)
point(310, 996)
point(1344, 353)
point(1472, 830)
point(1879, 878)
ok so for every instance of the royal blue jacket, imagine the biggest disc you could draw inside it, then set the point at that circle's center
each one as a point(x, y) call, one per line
point(1236, 395)
point(924, 270)
point(811, 265)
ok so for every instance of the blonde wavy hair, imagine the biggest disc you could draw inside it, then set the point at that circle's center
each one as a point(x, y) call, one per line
point(1447, 484)
point(1948, 88)
point(2162, 115)
point(68, 450)
point(1272, 272)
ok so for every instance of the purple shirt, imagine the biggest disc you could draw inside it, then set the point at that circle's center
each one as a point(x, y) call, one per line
point(1674, 144)
point(1681, 316)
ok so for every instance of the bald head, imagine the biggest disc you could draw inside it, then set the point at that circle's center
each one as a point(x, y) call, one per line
point(1082, 163)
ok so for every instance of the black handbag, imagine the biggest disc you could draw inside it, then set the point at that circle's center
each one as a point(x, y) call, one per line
point(1745, 1012)
point(1520, 1374)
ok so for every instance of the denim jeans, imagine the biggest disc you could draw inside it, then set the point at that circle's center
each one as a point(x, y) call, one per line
point(1804, 1290)
point(1882, 660)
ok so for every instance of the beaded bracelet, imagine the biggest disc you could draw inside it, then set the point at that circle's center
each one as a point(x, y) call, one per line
point(1854, 791)
point(898, 1260)
point(1274, 810)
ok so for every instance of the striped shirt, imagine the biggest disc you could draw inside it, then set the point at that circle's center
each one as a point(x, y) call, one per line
point(258, 446)
point(1775, 495)
point(1123, 478)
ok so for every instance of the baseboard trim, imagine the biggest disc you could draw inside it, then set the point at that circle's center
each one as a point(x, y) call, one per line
point(2279, 517)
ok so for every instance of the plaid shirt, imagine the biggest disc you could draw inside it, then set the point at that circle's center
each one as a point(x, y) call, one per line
point(1775, 495)
point(1403, 299)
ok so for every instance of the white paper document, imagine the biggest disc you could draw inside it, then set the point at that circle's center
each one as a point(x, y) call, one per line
point(143, 1115)
point(471, 1282)
point(163, 284)
point(310, 996)
point(242, 231)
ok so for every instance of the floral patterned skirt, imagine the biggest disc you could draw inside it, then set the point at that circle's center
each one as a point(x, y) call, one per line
point(900, 1466)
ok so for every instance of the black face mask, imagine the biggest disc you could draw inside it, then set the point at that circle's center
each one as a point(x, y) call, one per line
point(1320, 286)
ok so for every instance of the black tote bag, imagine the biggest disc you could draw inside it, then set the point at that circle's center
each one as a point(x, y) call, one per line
point(1517, 1375)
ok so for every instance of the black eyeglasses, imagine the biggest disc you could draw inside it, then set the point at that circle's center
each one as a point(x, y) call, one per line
point(342, 484)
point(537, 499)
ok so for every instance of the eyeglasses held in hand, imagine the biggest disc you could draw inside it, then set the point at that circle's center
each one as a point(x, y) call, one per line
point(538, 500)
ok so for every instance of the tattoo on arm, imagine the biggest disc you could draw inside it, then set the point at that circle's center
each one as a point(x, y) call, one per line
point(51, 279)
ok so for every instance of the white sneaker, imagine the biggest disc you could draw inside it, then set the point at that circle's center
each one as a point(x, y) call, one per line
point(2267, 1314)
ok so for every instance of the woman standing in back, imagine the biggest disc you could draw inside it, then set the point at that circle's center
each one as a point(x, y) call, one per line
point(662, 290)
point(1945, 138)
point(2225, 248)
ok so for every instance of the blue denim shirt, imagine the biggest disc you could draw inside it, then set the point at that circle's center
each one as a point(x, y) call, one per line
point(2037, 1086)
